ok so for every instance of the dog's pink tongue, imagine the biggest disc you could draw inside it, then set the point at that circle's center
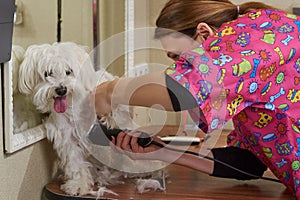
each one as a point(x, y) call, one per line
point(60, 104)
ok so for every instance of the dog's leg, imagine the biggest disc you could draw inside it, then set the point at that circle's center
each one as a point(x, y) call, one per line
point(72, 160)
point(79, 179)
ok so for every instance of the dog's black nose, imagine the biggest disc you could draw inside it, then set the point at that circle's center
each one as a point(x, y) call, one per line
point(61, 91)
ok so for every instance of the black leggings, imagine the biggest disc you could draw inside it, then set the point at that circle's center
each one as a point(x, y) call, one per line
point(238, 158)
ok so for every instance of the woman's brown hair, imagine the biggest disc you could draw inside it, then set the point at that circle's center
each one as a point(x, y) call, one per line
point(184, 15)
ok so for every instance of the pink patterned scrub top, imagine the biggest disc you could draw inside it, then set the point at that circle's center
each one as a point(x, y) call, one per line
point(250, 72)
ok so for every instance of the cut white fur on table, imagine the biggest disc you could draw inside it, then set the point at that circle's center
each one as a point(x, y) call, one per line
point(60, 78)
point(145, 185)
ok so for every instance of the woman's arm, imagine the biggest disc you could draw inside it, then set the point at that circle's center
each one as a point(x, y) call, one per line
point(152, 90)
point(127, 143)
point(148, 90)
point(244, 165)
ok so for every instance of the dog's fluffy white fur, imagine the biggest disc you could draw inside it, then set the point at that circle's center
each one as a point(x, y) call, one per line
point(60, 78)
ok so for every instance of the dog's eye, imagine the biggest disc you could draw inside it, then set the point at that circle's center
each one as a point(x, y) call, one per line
point(68, 72)
point(46, 74)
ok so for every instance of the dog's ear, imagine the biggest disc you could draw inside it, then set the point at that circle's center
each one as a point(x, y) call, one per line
point(28, 72)
point(17, 56)
point(87, 72)
point(18, 53)
point(85, 48)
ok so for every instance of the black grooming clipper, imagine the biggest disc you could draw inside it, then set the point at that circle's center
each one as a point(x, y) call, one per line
point(101, 135)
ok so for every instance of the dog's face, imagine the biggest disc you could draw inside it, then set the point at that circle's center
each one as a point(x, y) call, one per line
point(55, 75)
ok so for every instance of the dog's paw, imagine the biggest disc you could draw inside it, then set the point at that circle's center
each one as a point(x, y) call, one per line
point(76, 187)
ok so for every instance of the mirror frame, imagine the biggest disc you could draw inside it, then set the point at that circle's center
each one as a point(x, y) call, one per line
point(129, 37)
point(15, 142)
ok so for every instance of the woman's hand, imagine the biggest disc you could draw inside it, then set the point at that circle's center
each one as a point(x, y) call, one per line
point(127, 143)
point(102, 98)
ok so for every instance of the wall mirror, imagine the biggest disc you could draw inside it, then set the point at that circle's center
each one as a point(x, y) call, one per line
point(37, 22)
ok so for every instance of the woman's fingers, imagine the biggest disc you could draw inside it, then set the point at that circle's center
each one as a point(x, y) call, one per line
point(133, 144)
point(136, 148)
point(123, 141)
point(126, 142)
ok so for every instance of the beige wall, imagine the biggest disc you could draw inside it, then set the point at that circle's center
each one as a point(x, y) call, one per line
point(38, 25)
point(40, 22)
point(24, 173)
point(112, 24)
point(77, 24)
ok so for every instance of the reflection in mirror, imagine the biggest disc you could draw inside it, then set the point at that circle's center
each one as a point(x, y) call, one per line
point(25, 115)
point(22, 121)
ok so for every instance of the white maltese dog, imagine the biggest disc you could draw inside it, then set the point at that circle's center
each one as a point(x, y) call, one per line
point(60, 78)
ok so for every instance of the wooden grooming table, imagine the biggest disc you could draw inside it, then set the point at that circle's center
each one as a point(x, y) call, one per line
point(185, 183)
